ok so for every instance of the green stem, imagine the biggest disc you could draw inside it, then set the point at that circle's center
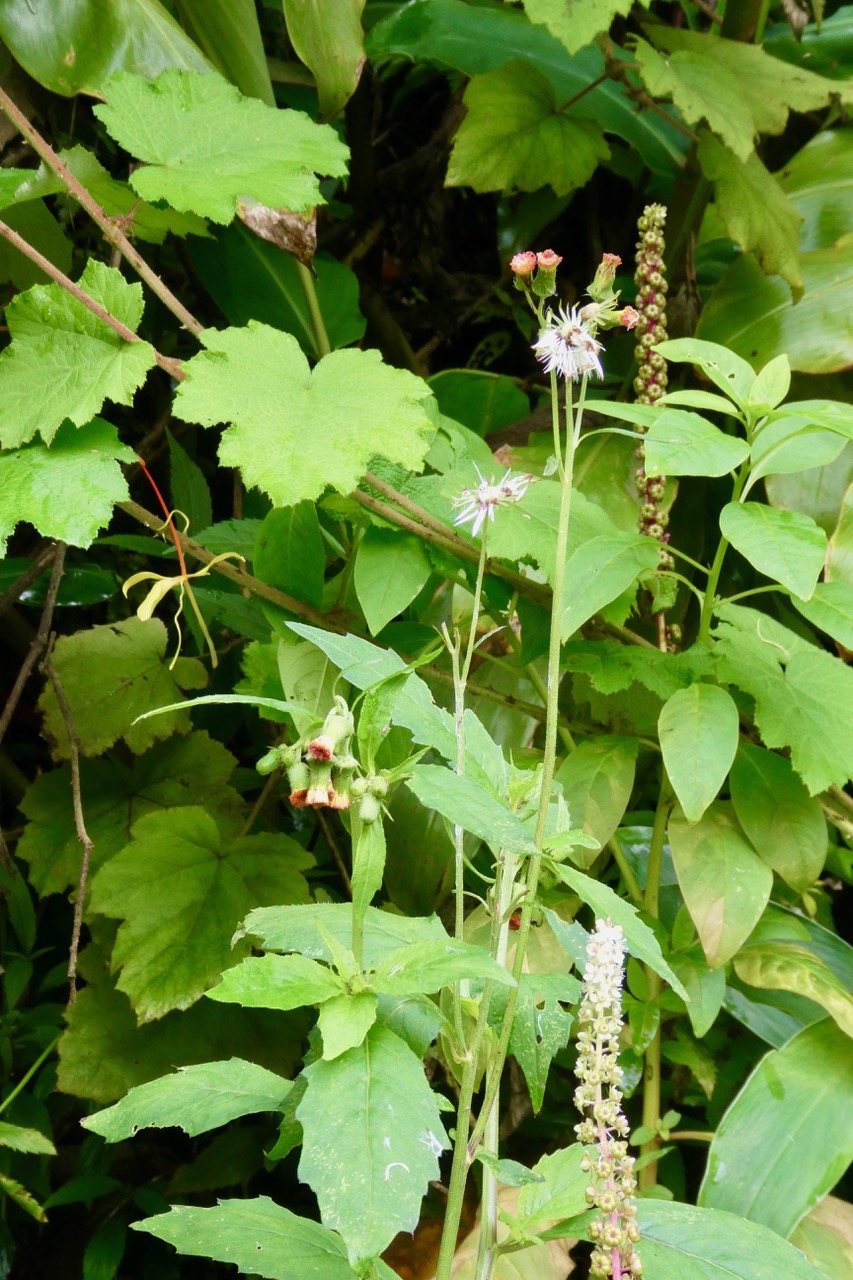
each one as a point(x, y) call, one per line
point(24, 1081)
point(321, 336)
point(717, 567)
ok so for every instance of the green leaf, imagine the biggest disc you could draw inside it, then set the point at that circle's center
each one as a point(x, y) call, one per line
point(110, 675)
point(296, 431)
point(230, 35)
point(259, 1236)
point(195, 1099)
point(830, 609)
point(785, 824)
point(467, 804)
point(599, 571)
point(713, 1245)
point(597, 780)
point(181, 889)
point(345, 1020)
point(299, 929)
point(560, 1194)
point(819, 183)
point(514, 136)
point(725, 884)
point(368, 861)
point(698, 730)
point(788, 1136)
point(290, 553)
point(639, 939)
point(755, 211)
point(204, 146)
point(685, 444)
point(541, 1025)
point(37, 225)
point(726, 370)
point(426, 967)
point(789, 443)
point(23, 1198)
point(577, 22)
point(826, 1237)
point(706, 988)
point(31, 1141)
point(331, 44)
point(77, 49)
point(781, 966)
point(784, 545)
point(803, 695)
point(391, 568)
point(480, 400)
point(371, 1137)
point(276, 982)
point(415, 1019)
point(76, 359)
point(771, 386)
point(614, 667)
point(42, 485)
point(528, 531)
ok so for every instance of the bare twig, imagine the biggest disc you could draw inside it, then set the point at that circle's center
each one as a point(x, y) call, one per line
point(266, 791)
point(27, 578)
point(709, 11)
point(336, 852)
point(110, 227)
point(39, 643)
point(79, 822)
point(172, 367)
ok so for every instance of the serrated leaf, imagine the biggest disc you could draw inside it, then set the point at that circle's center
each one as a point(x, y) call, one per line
point(29, 1140)
point(514, 136)
point(830, 609)
point(782, 966)
point(426, 967)
point(181, 890)
point(699, 730)
point(755, 211)
point(345, 1020)
point(787, 1137)
point(575, 22)
point(464, 802)
point(560, 1194)
point(204, 146)
point(540, 1026)
point(368, 861)
point(75, 359)
point(23, 1198)
point(110, 675)
point(295, 431)
point(599, 571)
point(42, 485)
point(259, 1236)
point(195, 1099)
point(725, 884)
point(371, 1137)
point(276, 982)
point(784, 545)
point(785, 824)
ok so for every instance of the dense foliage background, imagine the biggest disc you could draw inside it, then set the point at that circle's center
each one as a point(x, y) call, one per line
point(456, 135)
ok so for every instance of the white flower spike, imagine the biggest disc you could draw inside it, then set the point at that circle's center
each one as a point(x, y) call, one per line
point(568, 346)
point(477, 504)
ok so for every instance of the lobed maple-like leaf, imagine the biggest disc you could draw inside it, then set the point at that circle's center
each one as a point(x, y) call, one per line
point(296, 432)
point(63, 362)
point(204, 146)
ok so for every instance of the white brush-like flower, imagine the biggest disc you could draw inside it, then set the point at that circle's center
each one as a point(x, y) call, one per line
point(478, 504)
point(568, 346)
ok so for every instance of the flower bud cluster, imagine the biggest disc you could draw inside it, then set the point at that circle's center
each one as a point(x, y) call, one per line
point(320, 772)
point(536, 272)
point(604, 1129)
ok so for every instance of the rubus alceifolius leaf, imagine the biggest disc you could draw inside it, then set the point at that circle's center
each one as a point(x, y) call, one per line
point(577, 24)
point(203, 145)
point(75, 359)
point(43, 484)
point(296, 431)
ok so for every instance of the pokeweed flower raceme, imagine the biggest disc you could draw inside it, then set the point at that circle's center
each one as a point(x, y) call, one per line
point(604, 1129)
point(477, 504)
point(568, 346)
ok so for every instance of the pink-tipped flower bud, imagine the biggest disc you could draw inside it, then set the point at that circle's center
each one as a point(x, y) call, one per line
point(605, 274)
point(629, 316)
point(548, 260)
point(299, 799)
point(338, 799)
point(523, 264)
point(545, 282)
point(320, 748)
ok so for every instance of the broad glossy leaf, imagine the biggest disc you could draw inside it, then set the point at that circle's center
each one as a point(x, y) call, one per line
point(597, 780)
point(826, 1237)
point(290, 553)
point(839, 560)
point(42, 485)
point(391, 568)
point(112, 674)
point(819, 182)
point(252, 150)
point(259, 1236)
point(755, 211)
point(371, 1137)
point(724, 368)
point(705, 986)
point(699, 730)
point(229, 33)
point(783, 545)
point(805, 704)
point(76, 359)
point(276, 982)
point(791, 443)
point(599, 571)
point(181, 889)
point(783, 966)
point(330, 41)
point(830, 609)
point(725, 884)
point(785, 824)
point(296, 431)
point(684, 444)
point(467, 804)
point(79, 46)
point(297, 928)
point(754, 314)
point(681, 1241)
point(426, 967)
point(195, 1099)
point(788, 1136)
point(514, 137)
